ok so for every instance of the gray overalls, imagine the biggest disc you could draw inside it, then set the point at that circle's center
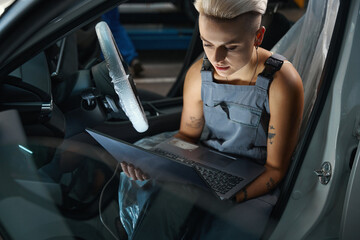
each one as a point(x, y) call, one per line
point(237, 118)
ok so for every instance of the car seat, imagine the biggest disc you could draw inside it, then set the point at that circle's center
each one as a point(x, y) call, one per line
point(307, 50)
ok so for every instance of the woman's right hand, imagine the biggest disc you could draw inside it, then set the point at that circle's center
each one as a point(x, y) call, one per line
point(132, 172)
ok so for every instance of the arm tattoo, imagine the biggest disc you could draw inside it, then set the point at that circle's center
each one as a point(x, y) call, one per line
point(245, 194)
point(270, 184)
point(271, 134)
point(195, 122)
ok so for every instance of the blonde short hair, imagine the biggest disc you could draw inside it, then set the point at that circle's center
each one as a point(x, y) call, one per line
point(229, 9)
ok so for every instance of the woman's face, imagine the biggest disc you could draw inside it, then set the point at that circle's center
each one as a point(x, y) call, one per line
point(228, 44)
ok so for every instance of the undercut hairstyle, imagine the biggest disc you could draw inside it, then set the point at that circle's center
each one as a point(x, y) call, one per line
point(229, 9)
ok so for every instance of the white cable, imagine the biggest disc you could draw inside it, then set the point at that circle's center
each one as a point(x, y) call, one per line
point(100, 200)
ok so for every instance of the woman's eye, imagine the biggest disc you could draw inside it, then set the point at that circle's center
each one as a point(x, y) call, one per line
point(231, 48)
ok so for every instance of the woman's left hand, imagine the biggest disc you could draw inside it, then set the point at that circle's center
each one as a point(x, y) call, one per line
point(132, 172)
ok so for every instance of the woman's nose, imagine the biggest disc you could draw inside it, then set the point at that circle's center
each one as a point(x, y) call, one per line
point(220, 54)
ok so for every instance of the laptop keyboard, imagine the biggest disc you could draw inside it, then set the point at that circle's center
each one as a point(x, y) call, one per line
point(219, 181)
point(174, 156)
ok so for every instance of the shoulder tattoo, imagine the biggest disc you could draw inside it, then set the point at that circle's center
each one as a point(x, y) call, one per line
point(195, 122)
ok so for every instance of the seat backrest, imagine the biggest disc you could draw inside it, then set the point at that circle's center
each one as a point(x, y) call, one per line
point(306, 46)
point(28, 89)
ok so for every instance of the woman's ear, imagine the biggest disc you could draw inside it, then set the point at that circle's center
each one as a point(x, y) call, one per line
point(259, 36)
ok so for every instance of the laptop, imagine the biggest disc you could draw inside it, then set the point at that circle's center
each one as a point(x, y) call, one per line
point(178, 161)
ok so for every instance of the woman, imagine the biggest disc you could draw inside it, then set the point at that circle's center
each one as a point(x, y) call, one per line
point(249, 99)
point(231, 36)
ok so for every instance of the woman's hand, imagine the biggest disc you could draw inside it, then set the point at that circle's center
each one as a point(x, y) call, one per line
point(132, 172)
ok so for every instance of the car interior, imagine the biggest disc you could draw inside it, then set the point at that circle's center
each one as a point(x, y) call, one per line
point(61, 86)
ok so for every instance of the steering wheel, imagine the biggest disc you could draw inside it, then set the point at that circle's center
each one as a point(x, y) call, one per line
point(123, 84)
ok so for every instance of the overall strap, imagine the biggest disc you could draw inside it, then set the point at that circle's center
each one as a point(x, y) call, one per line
point(206, 70)
point(272, 65)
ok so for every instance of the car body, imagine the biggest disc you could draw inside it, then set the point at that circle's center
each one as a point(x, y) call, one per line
point(47, 101)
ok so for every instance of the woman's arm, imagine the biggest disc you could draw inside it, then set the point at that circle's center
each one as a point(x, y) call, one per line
point(192, 120)
point(192, 117)
point(286, 100)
